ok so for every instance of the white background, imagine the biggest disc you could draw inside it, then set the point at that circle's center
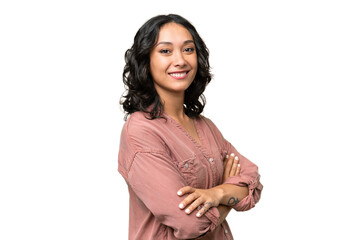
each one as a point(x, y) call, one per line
point(285, 93)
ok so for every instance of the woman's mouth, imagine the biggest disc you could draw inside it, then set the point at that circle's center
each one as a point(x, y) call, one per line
point(179, 75)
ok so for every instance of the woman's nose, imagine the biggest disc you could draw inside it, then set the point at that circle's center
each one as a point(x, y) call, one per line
point(179, 59)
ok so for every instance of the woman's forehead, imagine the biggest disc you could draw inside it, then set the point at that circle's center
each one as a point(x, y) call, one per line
point(174, 33)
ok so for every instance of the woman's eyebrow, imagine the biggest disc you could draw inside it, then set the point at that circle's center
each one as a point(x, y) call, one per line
point(170, 43)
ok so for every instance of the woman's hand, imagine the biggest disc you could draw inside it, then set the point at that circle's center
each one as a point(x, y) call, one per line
point(231, 167)
point(204, 199)
point(208, 198)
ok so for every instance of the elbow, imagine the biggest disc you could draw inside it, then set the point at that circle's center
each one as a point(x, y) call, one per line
point(190, 226)
point(192, 229)
point(249, 201)
point(188, 231)
point(187, 234)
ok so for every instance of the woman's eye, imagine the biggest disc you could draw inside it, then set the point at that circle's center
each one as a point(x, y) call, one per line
point(165, 51)
point(189, 49)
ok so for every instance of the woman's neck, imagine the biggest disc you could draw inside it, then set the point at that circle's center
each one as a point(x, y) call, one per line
point(174, 106)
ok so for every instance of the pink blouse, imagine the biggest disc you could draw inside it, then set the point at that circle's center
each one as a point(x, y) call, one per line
point(157, 158)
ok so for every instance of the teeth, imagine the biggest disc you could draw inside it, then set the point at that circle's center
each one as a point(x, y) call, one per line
point(178, 74)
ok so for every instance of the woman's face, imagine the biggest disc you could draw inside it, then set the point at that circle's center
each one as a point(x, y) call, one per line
point(173, 60)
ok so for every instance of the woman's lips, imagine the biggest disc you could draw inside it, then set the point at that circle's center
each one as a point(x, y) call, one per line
point(179, 75)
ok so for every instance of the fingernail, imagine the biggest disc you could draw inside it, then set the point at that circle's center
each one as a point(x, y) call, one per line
point(239, 165)
point(181, 205)
point(232, 154)
point(179, 193)
point(198, 214)
point(227, 156)
point(236, 158)
point(187, 211)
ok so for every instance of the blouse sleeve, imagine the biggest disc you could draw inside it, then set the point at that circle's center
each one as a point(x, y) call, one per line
point(248, 177)
point(155, 180)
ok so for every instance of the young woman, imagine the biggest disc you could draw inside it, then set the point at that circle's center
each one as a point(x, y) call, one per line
point(183, 177)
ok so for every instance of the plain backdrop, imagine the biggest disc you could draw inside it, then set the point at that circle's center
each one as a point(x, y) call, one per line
point(285, 93)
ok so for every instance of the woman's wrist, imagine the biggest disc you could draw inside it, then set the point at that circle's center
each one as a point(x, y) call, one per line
point(230, 195)
point(221, 194)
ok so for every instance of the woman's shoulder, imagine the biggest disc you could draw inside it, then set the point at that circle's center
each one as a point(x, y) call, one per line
point(140, 121)
point(141, 132)
point(138, 135)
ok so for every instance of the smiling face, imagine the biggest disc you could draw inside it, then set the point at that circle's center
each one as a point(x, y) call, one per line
point(173, 60)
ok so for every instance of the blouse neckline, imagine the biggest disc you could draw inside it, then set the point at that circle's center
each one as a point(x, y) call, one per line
point(179, 126)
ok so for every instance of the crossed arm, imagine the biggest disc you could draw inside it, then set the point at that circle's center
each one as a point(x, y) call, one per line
point(217, 200)
point(222, 196)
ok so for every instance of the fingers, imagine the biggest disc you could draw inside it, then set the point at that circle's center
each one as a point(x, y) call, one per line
point(202, 211)
point(196, 200)
point(198, 197)
point(238, 170)
point(189, 199)
point(231, 166)
point(234, 166)
point(228, 164)
point(185, 190)
point(194, 205)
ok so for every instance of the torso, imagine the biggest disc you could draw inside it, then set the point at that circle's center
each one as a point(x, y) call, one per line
point(194, 149)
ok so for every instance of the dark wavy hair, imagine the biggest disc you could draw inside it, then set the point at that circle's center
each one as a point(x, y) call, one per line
point(140, 92)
